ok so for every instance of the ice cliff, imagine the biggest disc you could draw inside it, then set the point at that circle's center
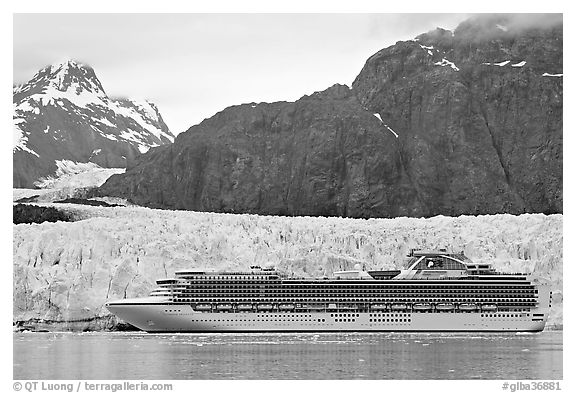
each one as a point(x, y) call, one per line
point(65, 272)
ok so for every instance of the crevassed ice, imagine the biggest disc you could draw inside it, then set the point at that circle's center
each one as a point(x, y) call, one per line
point(94, 252)
point(77, 174)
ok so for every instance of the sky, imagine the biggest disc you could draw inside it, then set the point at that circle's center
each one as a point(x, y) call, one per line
point(195, 65)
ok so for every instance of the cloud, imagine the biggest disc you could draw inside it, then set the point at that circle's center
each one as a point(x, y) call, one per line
point(407, 26)
point(481, 25)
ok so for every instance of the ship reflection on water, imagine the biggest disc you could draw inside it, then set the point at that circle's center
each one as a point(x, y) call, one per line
point(288, 356)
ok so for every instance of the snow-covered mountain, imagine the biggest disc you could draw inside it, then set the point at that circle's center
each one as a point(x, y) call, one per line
point(63, 113)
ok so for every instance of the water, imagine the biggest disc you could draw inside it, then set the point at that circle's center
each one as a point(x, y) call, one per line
point(141, 356)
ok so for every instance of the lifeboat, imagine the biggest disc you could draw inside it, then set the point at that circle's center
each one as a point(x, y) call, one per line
point(489, 307)
point(444, 307)
point(378, 307)
point(422, 307)
point(286, 306)
point(264, 306)
point(203, 307)
point(224, 306)
point(398, 307)
point(467, 307)
point(244, 307)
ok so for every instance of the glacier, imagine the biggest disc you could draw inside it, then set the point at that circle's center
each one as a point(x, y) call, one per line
point(64, 272)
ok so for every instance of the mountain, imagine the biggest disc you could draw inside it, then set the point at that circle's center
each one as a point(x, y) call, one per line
point(63, 114)
point(451, 123)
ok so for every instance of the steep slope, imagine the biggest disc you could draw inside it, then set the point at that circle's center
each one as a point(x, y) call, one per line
point(321, 155)
point(63, 113)
point(478, 112)
point(463, 122)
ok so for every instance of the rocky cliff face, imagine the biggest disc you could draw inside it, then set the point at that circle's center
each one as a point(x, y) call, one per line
point(64, 115)
point(321, 155)
point(479, 114)
point(462, 122)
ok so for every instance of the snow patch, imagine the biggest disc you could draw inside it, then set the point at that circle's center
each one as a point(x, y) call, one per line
point(377, 115)
point(105, 122)
point(391, 130)
point(427, 49)
point(503, 63)
point(130, 112)
point(24, 106)
point(143, 148)
point(20, 140)
point(446, 62)
point(547, 74)
point(521, 64)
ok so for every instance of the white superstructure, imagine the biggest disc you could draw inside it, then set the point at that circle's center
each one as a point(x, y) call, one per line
point(437, 291)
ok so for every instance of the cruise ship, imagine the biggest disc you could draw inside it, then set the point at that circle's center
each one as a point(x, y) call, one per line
point(436, 291)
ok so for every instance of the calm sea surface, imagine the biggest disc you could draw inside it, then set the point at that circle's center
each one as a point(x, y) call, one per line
point(288, 356)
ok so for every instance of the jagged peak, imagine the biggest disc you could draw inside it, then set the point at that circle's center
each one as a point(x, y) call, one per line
point(67, 63)
point(68, 74)
point(337, 91)
point(436, 35)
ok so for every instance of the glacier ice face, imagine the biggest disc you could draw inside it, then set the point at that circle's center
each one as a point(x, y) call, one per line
point(67, 271)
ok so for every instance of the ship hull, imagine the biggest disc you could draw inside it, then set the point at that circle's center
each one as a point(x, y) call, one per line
point(158, 318)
